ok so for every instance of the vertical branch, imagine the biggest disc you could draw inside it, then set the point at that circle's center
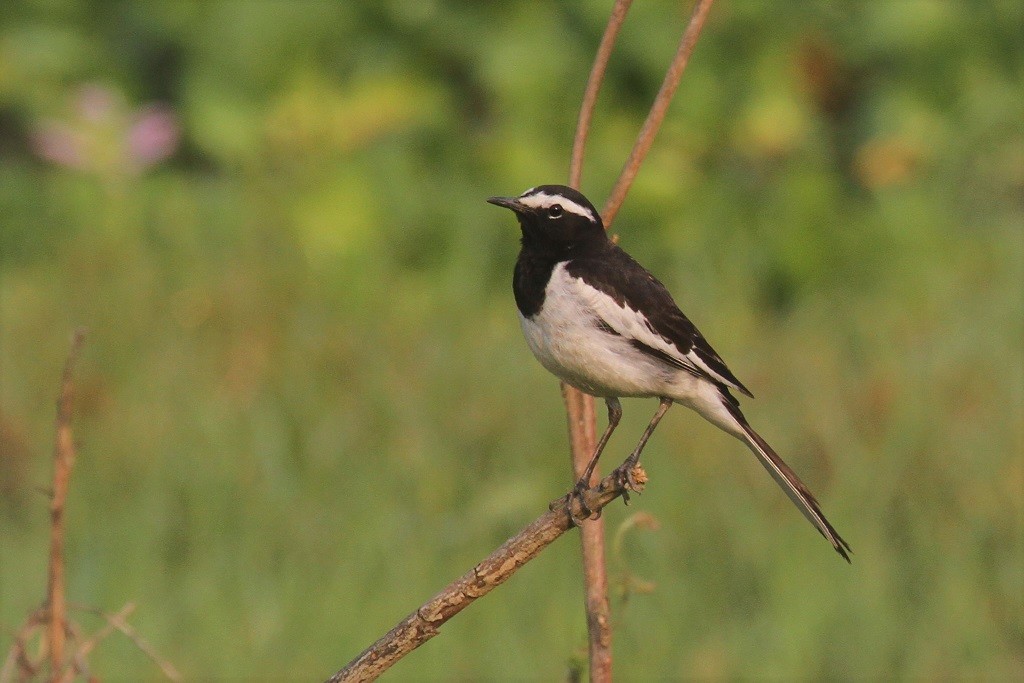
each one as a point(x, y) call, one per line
point(582, 442)
point(580, 407)
point(63, 461)
point(658, 110)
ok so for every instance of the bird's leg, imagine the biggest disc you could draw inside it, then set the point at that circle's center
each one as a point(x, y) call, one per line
point(614, 415)
point(624, 472)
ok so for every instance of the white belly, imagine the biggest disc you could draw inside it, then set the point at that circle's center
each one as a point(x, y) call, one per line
point(568, 340)
point(565, 338)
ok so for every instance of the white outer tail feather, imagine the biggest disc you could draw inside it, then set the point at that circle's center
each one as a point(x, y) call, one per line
point(794, 488)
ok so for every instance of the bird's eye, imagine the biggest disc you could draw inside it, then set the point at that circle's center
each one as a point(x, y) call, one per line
point(555, 211)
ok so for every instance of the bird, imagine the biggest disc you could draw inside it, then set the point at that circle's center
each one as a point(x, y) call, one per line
point(602, 323)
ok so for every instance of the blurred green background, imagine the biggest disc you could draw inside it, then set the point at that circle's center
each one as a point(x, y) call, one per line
point(304, 404)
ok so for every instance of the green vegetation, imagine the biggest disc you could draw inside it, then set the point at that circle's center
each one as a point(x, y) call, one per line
point(304, 404)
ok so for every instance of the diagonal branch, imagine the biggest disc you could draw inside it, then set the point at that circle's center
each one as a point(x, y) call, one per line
point(424, 623)
point(657, 114)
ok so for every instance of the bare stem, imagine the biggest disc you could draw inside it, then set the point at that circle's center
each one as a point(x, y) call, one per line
point(424, 623)
point(57, 634)
point(582, 440)
point(63, 461)
point(657, 114)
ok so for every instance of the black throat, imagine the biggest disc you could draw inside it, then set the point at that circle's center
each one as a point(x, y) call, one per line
point(529, 280)
point(552, 234)
point(537, 260)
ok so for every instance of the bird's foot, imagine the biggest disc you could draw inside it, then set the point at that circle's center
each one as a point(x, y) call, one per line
point(575, 502)
point(630, 476)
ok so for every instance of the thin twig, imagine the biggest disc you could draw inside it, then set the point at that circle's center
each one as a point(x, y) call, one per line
point(119, 622)
point(580, 407)
point(81, 655)
point(17, 656)
point(604, 53)
point(658, 110)
point(424, 623)
point(63, 461)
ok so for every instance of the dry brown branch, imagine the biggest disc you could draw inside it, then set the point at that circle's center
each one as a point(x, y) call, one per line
point(18, 657)
point(580, 407)
point(49, 628)
point(53, 615)
point(657, 114)
point(86, 646)
point(424, 623)
point(63, 461)
point(582, 442)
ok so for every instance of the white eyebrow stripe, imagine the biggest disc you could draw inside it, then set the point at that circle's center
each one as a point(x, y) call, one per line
point(543, 200)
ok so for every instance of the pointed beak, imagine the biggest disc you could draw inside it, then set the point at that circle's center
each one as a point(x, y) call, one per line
point(508, 203)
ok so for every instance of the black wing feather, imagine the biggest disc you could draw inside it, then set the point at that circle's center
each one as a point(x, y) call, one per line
point(614, 272)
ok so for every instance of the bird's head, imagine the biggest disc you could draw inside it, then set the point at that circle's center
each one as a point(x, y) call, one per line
point(555, 216)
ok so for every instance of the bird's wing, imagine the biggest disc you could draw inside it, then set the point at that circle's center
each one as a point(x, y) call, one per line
point(620, 288)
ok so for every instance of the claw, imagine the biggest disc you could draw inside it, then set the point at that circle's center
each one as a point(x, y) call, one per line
point(630, 476)
point(578, 493)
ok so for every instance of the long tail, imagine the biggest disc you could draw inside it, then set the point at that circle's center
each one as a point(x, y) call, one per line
point(795, 489)
point(785, 477)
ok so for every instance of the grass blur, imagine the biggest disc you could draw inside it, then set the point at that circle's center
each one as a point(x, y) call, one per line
point(305, 406)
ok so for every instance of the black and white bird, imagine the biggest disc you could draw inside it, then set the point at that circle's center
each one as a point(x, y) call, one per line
point(598, 320)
